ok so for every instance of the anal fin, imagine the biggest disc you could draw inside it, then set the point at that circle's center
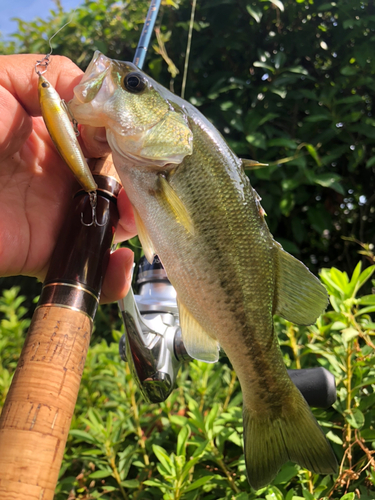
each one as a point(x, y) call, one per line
point(198, 343)
point(301, 298)
point(144, 238)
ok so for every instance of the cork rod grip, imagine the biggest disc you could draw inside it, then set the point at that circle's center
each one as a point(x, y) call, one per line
point(36, 417)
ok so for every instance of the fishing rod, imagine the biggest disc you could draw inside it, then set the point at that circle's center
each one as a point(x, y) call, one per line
point(36, 417)
point(144, 39)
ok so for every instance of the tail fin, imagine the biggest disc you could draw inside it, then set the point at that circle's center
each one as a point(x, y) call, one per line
point(295, 435)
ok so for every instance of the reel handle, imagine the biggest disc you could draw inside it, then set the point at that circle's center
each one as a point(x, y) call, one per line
point(317, 386)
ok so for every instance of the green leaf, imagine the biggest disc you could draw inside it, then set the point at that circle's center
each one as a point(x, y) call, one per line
point(154, 482)
point(260, 64)
point(273, 493)
point(163, 457)
point(278, 4)
point(198, 483)
point(354, 279)
point(257, 139)
point(334, 438)
point(349, 334)
point(286, 473)
point(100, 474)
point(182, 438)
point(365, 310)
point(371, 162)
point(280, 59)
point(313, 152)
point(330, 181)
point(367, 300)
point(201, 448)
point(348, 70)
point(130, 483)
point(338, 325)
point(85, 436)
point(307, 495)
point(348, 496)
point(282, 142)
point(317, 118)
point(340, 278)
point(364, 276)
point(368, 434)
point(210, 419)
point(355, 418)
point(255, 12)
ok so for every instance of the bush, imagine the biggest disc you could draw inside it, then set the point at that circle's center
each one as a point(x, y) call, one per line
point(190, 447)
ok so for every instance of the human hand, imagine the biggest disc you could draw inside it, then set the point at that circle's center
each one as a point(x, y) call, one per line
point(36, 184)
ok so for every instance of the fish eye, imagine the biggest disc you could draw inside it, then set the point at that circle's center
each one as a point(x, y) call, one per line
point(134, 83)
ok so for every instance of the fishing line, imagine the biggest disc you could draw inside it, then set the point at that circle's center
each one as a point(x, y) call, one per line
point(45, 61)
point(188, 48)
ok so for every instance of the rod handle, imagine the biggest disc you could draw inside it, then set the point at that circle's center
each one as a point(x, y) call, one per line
point(35, 420)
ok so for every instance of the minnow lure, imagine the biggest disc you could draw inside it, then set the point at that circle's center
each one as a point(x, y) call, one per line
point(60, 129)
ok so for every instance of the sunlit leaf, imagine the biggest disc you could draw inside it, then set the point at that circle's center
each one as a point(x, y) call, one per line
point(100, 474)
point(278, 4)
point(255, 12)
point(355, 418)
point(182, 438)
point(198, 483)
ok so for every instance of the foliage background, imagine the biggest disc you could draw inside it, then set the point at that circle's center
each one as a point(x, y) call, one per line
point(289, 83)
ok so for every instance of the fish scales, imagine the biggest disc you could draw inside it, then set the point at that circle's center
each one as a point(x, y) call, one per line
point(196, 209)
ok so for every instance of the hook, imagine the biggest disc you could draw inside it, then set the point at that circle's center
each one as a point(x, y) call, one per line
point(94, 221)
point(68, 111)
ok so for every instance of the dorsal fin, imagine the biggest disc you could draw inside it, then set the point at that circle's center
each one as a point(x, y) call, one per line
point(198, 343)
point(252, 164)
point(301, 298)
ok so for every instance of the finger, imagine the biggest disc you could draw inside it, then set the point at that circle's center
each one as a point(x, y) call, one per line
point(94, 142)
point(118, 276)
point(126, 227)
point(15, 124)
point(17, 76)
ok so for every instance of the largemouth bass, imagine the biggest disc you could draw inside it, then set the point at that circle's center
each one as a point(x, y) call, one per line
point(195, 209)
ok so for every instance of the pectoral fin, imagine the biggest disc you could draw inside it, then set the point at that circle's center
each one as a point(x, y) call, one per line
point(178, 208)
point(144, 238)
point(198, 344)
point(301, 298)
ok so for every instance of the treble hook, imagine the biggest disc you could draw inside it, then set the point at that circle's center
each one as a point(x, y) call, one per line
point(93, 202)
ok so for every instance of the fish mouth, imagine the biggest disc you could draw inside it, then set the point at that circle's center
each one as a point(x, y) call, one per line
point(93, 78)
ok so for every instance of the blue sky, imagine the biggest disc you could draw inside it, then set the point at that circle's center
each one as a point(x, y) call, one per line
point(28, 10)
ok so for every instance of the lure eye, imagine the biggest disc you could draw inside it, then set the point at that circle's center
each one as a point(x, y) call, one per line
point(45, 85)
point(134, 83)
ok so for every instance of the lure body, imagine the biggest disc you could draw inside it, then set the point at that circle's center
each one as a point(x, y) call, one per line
point(62, 134)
